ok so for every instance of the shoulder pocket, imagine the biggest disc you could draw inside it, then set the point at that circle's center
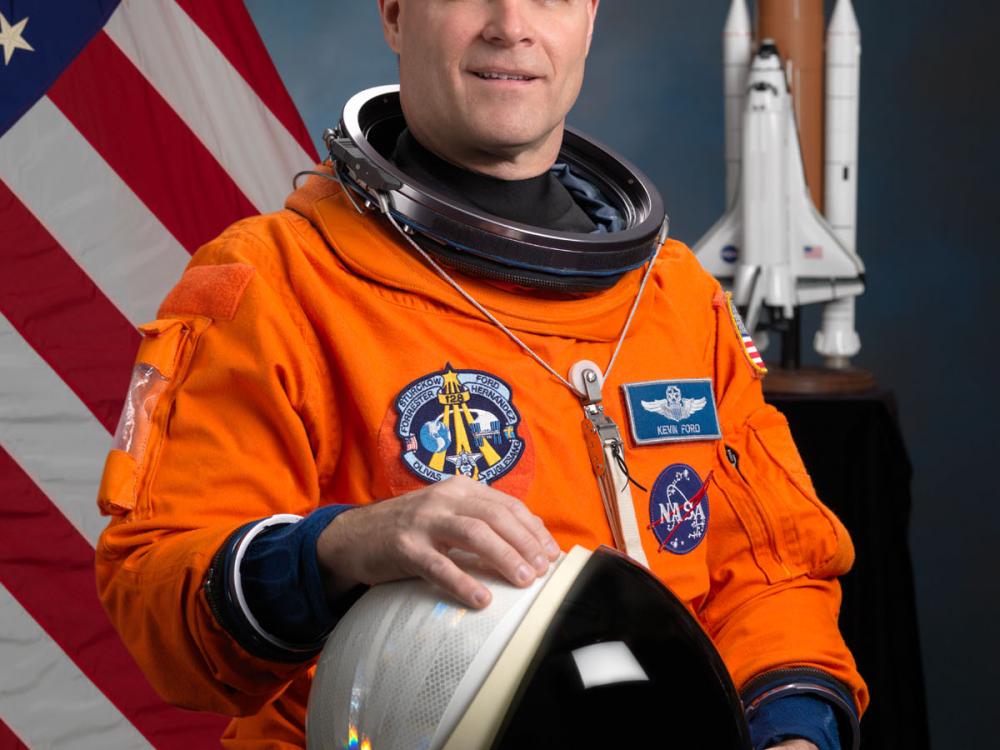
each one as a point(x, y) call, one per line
point(791, 531)
point(163, 355)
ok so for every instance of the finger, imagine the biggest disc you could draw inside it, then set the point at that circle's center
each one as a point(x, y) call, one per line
point(531, 521)
point(508, 517)
point(438, 569)
point(513, 530)
point(479, 537)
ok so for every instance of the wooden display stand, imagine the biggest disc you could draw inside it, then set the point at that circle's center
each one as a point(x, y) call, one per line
point(817, 381)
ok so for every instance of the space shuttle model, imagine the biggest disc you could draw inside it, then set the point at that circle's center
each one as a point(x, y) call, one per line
point(773, 248)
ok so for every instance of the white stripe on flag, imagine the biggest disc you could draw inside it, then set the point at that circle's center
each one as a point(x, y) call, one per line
point(90, 211)
point(51, 434)
point(46, 700)
point(184, 66)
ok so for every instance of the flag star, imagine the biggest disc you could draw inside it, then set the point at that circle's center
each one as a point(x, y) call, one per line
point(11, 39)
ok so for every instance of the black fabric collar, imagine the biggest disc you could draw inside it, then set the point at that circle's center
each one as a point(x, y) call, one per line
point(539, 201)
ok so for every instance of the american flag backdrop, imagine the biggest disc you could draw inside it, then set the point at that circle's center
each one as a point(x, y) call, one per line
point(131, 132)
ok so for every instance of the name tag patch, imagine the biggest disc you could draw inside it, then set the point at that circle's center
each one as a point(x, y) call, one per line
point(672, 411)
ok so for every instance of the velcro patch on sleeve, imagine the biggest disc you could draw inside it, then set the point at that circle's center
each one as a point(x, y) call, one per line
point(212, 291)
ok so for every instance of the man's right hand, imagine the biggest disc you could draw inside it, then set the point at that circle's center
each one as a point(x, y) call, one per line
point(411, 535)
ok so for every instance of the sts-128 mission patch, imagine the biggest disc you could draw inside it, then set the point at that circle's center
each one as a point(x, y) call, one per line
point(458, 423)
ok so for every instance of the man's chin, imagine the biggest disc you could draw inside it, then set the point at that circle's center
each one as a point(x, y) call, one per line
point(511, 138)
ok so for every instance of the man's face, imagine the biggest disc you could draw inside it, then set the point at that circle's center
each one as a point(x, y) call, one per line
point(489, 76)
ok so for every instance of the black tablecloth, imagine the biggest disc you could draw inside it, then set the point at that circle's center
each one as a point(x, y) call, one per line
point(854, 451)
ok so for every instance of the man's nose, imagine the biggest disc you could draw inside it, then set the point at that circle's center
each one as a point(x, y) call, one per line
point(509, 22)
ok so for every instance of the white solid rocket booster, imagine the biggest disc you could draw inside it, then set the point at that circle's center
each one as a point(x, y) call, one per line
point(843, 82)
point(837, 340)
point(737, 45)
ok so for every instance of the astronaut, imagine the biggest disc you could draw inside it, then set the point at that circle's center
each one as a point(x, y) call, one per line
point(459, 253)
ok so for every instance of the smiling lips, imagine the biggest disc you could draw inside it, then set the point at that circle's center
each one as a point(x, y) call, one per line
point(502, 76)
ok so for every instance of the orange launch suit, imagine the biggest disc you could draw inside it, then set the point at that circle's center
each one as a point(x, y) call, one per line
point(279, 358)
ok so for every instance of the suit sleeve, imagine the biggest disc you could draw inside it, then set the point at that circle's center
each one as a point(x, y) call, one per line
point(218, 431)
point(776, 551)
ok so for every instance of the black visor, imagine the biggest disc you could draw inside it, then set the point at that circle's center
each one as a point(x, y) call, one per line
point(624, 665)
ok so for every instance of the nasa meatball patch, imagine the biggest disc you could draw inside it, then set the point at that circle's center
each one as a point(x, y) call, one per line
point(670, 411)
point(678, 509)
point(458, 423)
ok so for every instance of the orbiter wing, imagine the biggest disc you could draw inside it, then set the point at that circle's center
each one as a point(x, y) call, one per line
point(718, 251)
point(824, 269)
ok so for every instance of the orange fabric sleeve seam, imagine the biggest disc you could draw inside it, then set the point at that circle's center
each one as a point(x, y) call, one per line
point(306, 334)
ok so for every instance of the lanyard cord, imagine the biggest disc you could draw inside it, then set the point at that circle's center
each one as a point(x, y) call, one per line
point(384, 205)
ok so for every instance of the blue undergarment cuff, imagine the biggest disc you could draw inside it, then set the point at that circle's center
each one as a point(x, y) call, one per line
point(282, 584)
point(795, 716)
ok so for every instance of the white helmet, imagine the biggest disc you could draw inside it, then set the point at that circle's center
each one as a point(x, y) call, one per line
point(597, 653)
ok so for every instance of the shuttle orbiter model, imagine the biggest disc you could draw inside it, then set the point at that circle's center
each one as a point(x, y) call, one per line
point(773, 248)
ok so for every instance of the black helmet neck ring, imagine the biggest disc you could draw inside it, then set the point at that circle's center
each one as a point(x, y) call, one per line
point(479, 243)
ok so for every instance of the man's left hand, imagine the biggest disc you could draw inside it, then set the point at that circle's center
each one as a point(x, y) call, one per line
point(795, 745)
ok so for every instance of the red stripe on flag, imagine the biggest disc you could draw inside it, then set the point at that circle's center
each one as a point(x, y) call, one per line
point(9, 740)
point(141, 137)
point(62, 314)
point(49, 568)
point(230, 27)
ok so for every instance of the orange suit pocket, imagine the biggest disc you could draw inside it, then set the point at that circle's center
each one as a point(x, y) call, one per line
point(791, 532)
point(163, 354)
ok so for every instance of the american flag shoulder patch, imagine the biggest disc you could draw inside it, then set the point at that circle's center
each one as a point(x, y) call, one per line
point(746, 342)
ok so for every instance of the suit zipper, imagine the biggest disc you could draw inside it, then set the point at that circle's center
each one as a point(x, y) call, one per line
point(734, 459)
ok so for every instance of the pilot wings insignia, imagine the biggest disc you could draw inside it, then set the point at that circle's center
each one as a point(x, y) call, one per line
point(674, 407)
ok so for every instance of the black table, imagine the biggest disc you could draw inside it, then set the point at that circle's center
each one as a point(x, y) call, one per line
point(854, 451)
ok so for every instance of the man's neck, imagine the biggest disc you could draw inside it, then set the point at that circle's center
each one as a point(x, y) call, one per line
point(503, 163)
point(538, 201)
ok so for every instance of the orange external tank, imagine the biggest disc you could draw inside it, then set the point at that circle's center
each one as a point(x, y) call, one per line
point(797, 27)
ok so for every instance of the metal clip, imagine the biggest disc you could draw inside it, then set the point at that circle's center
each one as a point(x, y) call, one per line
point(605, 447)
point(601, 436)
point(362, 170)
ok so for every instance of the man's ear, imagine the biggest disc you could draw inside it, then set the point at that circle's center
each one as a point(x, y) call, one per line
point(389, 12)
point(593, 15)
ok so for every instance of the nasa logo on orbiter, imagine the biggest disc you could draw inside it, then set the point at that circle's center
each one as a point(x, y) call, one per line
point(458, 423)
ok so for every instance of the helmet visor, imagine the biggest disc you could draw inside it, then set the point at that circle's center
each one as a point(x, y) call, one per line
point(623, 663)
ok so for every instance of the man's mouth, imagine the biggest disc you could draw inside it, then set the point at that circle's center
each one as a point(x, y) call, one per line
point(492, 76)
